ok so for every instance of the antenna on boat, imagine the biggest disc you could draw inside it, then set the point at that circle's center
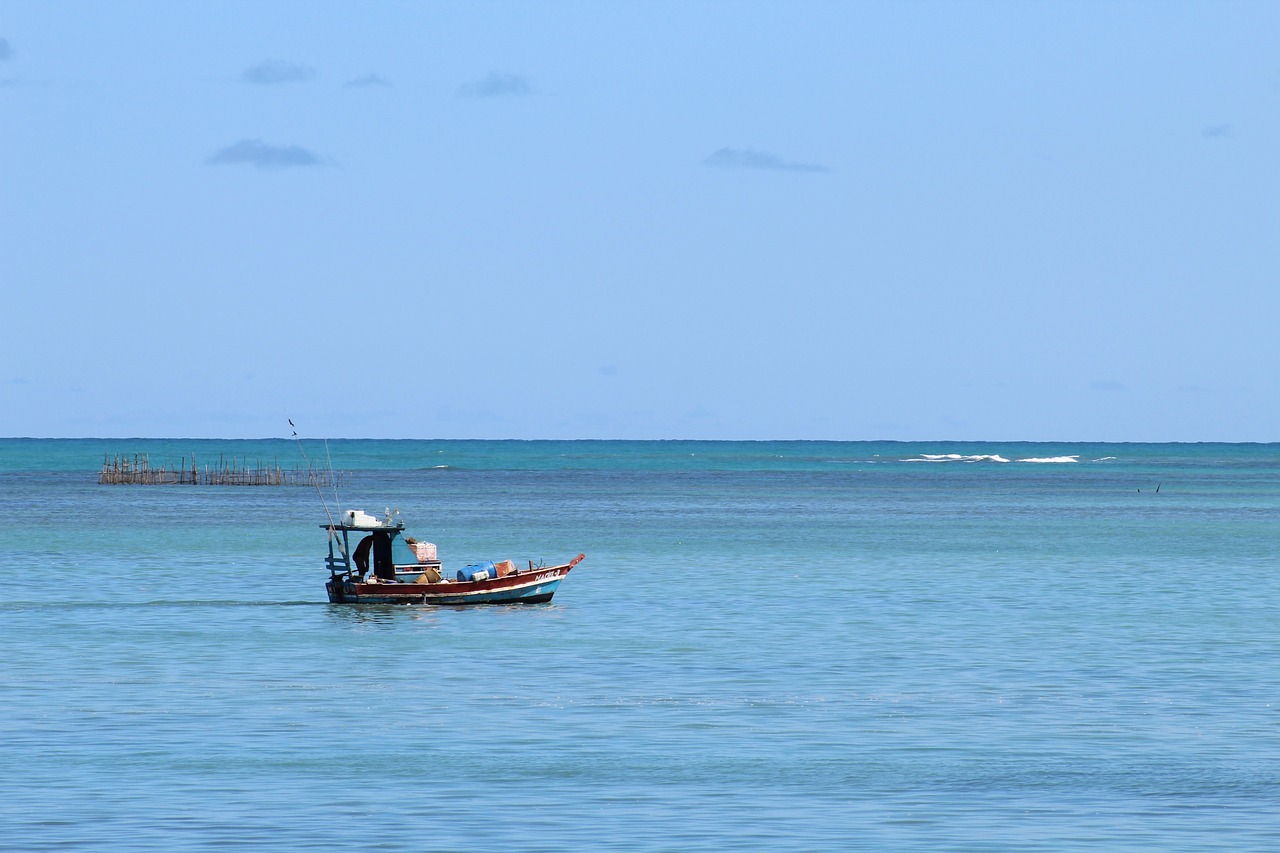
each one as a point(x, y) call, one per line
point(323, 503)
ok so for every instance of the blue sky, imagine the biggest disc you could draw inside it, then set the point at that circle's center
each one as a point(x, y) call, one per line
point(854, 220)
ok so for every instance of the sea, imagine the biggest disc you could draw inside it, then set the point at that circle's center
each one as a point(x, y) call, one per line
point(941, 646)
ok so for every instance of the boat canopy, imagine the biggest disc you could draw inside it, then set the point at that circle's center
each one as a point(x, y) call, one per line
point(358, 536)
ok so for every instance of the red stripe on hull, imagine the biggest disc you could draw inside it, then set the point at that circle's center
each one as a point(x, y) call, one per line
point(448, 592)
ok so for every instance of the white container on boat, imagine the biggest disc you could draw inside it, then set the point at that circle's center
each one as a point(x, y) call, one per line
point(360, 518)
point(425, 552)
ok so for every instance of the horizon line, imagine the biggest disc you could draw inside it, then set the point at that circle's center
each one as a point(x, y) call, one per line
point(690, 440)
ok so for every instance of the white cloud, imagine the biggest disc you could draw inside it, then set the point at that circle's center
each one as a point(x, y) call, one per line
point(255, 152)
point(497, 85)
point(367, 81)
point(749, 158)
point(273, 72)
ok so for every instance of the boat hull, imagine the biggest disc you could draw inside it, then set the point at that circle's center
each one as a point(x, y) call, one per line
point(535, 586)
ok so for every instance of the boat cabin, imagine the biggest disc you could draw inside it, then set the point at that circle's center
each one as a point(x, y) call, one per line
point(361, 544)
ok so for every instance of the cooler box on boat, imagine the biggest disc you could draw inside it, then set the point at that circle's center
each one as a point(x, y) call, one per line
point(360, 518)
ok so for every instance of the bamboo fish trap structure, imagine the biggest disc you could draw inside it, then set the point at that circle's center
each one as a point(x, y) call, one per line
point(137, 470)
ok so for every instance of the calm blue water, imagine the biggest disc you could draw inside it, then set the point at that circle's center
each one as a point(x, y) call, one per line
point(770, 646)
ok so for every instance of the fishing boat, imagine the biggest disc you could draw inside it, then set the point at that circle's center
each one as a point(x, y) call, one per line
point(371, 561)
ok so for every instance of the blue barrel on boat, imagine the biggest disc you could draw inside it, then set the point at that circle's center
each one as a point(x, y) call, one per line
point(469, 572)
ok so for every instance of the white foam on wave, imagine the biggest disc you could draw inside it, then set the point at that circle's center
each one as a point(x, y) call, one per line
point(956, 457)
point(1052, 460)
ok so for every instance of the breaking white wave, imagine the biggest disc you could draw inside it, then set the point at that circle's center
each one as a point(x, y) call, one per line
point(955, 457)
point(990, 457)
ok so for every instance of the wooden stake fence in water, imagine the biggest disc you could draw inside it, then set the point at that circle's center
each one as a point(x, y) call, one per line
point(123, 470)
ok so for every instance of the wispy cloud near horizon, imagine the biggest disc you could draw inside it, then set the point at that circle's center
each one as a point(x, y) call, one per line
point(274, 71)
point(368, 80)
point(749, 158)
point(255, 152)
point(496, 85)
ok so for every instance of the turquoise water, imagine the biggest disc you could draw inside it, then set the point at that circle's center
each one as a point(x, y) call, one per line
point(770, 646)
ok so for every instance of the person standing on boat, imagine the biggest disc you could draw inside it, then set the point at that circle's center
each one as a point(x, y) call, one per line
point(383, 567)
point(380, 544)
point(361, 555)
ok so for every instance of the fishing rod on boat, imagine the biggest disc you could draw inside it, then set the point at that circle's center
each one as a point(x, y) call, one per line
point(314, 480)
point(333, 478)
